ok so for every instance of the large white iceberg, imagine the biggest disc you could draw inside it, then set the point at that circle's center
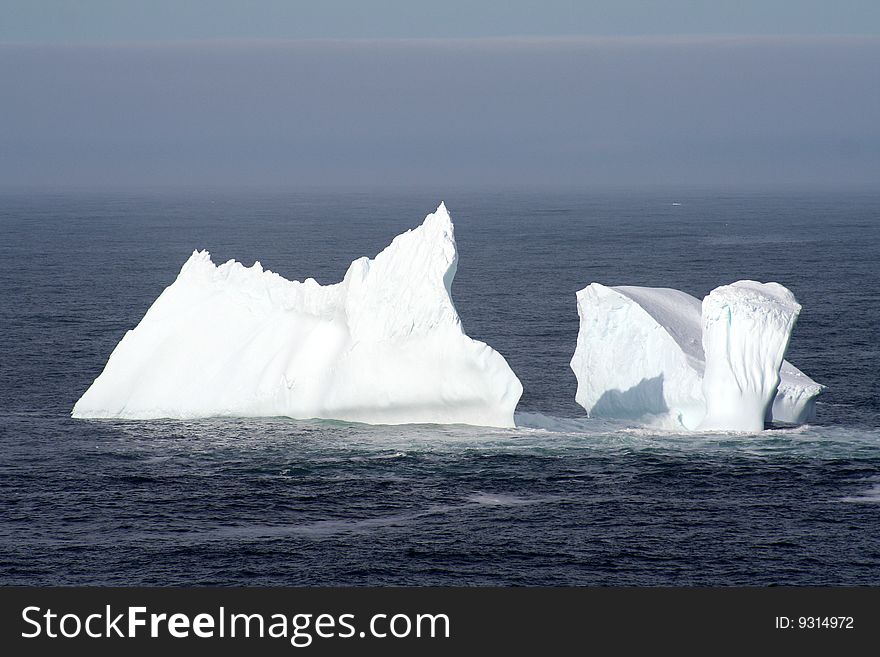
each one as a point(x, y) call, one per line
point(384, 346)
point(660, 356)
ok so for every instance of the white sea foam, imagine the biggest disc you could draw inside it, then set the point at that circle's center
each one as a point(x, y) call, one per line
point(497, 499)
point(868, 496)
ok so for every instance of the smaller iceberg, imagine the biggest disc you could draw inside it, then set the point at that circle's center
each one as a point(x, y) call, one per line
point(746, 329)
point(383, 346)
point(663, 357)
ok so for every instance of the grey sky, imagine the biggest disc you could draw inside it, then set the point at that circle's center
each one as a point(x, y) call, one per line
point(147, 20)
point(133, 108)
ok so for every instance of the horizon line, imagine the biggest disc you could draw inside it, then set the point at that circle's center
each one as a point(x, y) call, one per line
point(510, 40)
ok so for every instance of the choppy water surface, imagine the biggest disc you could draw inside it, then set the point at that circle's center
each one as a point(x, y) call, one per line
point(560, 500)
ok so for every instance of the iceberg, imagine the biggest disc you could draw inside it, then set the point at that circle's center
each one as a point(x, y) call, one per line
point(384, 346)
point(746, 329)
point(662, 357)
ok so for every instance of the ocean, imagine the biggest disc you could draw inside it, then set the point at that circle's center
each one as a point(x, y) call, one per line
point(561, 500)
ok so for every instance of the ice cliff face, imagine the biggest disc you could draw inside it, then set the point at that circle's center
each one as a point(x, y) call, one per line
point(636, 356)
point(662, 357)
point(384, 346)
point(746, 328)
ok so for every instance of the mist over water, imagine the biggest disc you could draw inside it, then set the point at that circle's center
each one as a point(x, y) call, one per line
point(562, 499)
point(527, 112)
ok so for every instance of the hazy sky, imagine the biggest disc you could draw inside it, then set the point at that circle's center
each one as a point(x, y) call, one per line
point(193, 92)
point(139, 20)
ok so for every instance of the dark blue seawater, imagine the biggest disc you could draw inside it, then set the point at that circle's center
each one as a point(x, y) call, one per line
point(563, 500)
